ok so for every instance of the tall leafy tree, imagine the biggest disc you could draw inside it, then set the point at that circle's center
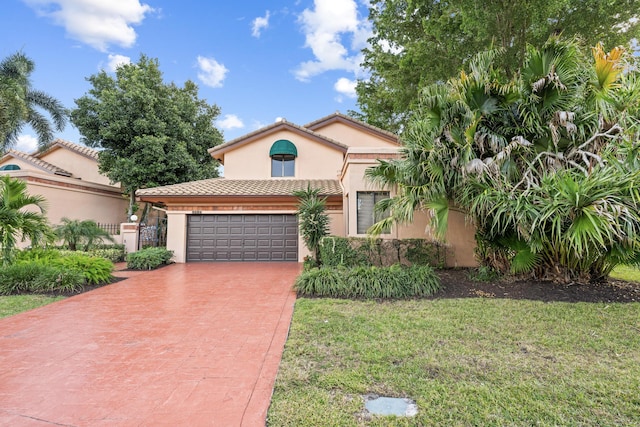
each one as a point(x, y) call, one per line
point(419, 42)
point(544, 162)
point(151, 133)
point(22, 216)
point(21, 105)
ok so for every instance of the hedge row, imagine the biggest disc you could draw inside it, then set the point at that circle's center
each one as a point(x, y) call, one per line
point(369, 282)
point(45, 271)
point(149, 258)
point(358, 251)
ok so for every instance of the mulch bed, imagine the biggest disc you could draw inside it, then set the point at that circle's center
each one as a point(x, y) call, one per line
point(458, 284)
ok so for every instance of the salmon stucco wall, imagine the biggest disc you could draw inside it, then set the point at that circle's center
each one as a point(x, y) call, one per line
point(73, 203)
point(177, 235)
point(79, 165)
point(251, 161)
point(354, 137)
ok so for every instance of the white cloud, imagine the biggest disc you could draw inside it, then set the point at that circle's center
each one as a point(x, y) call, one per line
point(259, 24)
point(27, 143)
point(97, 23)
point(324, 29)
point(230, 121)
point(212, 73)
point(116, 60)
point(346, 87)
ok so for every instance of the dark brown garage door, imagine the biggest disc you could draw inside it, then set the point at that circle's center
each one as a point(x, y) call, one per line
point(242, 238)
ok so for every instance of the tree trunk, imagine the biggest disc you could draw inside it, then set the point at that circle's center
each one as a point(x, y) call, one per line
point(132, 201)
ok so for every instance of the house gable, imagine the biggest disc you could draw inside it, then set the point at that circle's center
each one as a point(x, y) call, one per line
point(318, 157)
point(81, 161)
point(353, 132)
point(27, 162)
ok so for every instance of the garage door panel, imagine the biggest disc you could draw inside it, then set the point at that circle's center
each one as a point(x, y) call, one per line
point(242, 237)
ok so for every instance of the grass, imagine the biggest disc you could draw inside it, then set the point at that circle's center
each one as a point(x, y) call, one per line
point(465, 361)
point(13, 304)
point(625, 272)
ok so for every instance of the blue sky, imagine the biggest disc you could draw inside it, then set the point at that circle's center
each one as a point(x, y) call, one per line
point(258, 61)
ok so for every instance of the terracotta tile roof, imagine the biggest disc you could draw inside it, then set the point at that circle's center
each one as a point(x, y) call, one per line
point(244, 187)
point(81, 149)
point(272, 128)
point(46, 166)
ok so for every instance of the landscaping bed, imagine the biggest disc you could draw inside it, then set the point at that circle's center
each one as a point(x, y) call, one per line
point(458, 283)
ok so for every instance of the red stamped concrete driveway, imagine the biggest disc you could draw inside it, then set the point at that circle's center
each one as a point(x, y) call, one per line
point(186, 345)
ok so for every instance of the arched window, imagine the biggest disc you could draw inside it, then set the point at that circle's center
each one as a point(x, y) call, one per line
point(283, 158)
point(10, 167)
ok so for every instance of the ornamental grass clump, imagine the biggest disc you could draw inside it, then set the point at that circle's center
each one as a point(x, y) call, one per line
point(369, 282)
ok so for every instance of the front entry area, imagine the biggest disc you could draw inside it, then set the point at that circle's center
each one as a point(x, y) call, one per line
point(242, 237)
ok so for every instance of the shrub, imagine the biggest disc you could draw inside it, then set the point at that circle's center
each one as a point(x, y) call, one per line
point(324, 282)
point(95, 270)
point(338, 251)
point(37, 277)
point(149, 258)
point(113, 254)
point(37, 254)
point(309, 263)
point(369, 282)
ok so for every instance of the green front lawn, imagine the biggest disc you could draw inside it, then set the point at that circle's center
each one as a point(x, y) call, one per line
point(625, 272)
point(465, 361)
point(13, 304)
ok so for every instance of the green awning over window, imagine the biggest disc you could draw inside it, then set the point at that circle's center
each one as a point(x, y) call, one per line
point(283, 146)
point(12, 167)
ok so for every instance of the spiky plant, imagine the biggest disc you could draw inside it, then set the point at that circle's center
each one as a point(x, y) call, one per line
point(313, 221)
point(545, 163)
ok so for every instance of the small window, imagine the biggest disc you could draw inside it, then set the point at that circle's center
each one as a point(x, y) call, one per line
point(283, 165)
point(10, 167)
point(283, 155)
point(365, 209)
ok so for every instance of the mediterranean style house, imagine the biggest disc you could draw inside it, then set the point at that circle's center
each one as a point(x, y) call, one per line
point(249, 214)
point(67, 176)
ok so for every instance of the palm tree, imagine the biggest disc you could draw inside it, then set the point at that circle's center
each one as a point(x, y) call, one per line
point(543, 162)
point(20, 104)
point(75, 233)
point(314, 222)
point(21, 216)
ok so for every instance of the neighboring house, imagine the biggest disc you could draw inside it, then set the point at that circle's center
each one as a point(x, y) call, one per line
point(249, 215)
point(67, 176)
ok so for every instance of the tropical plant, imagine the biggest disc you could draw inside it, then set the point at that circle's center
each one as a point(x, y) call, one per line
point(314, 222)
point(415, 43)
point(17, 221)
point(545, 163)
point(75, 233)
point(20, 104)
point(149, 258)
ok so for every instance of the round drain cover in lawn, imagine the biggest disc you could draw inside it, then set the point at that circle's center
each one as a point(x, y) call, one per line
point(390, 406)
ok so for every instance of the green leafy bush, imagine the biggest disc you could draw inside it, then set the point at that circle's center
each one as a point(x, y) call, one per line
point(112, 254)
point(95, 270)
point(38, 277)
point(369, 282)
point(37, 254)
point(364, 251)
point(338, 251)
point(149, 258)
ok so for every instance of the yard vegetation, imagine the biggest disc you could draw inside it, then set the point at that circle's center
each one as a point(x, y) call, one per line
point(468, 361)
point(14, 304)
